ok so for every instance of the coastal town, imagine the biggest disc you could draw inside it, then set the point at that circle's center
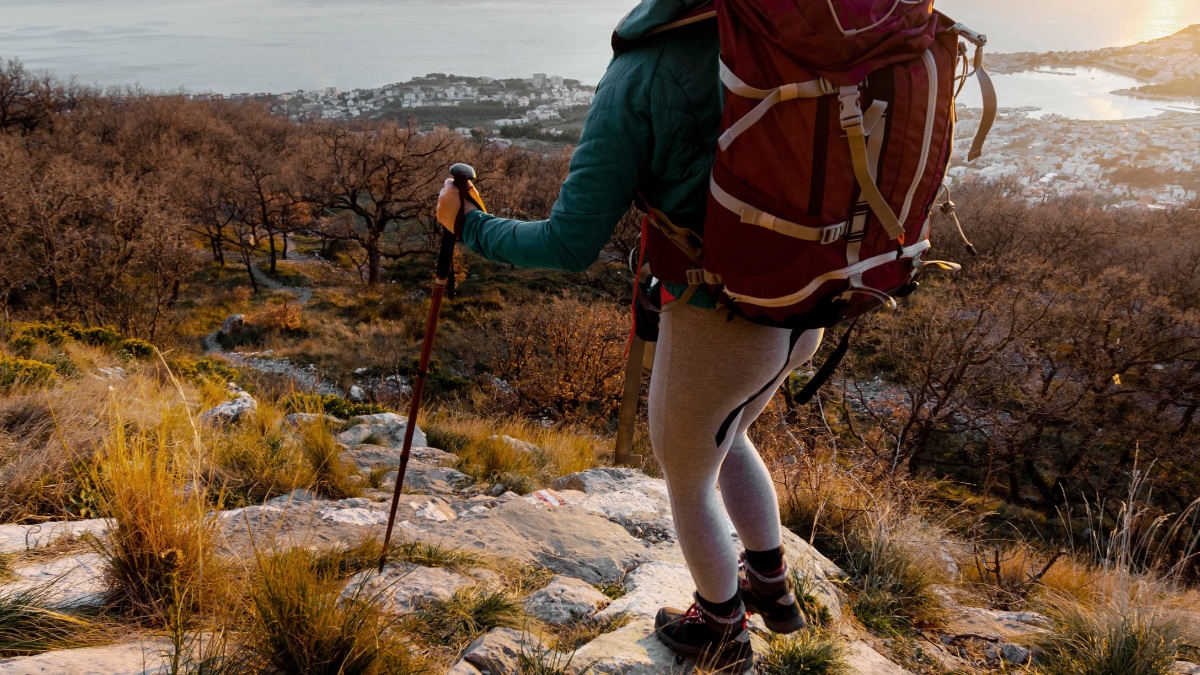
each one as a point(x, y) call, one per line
point(1148, 163)
point(482, 104)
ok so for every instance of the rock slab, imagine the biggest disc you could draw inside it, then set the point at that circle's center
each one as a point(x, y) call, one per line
point(404, 585)
point(564, 599)
point(497, 652)
point(631, 650)
point(149, 658)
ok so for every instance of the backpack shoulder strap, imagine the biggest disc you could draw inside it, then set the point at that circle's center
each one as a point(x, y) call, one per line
point(702, 13)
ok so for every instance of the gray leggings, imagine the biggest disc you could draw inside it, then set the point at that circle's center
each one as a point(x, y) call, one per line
point(704, 368)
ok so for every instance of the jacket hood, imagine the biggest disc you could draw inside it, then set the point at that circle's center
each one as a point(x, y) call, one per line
point(650, 14)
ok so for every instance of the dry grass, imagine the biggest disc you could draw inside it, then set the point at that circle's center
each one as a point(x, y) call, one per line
point(561, 450)
point(328, 474)
point(163, 550)
point(303, 622)
point(28, 626)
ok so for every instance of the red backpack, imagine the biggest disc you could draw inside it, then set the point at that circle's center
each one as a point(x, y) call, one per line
point(837, 134)
point(836, 137)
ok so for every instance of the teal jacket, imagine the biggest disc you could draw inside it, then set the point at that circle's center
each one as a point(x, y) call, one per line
point(652, 127)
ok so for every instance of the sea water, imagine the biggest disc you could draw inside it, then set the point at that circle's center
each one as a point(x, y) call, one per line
point(232, 46)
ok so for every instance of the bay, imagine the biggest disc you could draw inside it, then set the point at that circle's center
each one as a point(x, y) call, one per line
point(233, 46)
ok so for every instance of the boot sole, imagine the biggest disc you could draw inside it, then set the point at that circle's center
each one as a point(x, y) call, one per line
point(785, 627)
point(703, 658)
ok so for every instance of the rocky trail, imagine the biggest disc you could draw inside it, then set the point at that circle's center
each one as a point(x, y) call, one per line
point(599, 528)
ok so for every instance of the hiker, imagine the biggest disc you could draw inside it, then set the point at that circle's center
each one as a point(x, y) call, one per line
point(834, 123)
point(652, 128)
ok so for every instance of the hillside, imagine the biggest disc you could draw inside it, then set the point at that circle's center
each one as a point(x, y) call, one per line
point(212, 315)
point(1171, 64)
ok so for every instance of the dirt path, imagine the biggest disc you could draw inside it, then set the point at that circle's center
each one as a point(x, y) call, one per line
point(303, 296)
point(307, 378)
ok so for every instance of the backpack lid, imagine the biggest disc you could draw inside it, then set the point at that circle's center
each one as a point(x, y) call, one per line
point(651, 15)
point(839, 40)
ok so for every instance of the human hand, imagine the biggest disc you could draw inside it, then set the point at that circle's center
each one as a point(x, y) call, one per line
point(449, 202)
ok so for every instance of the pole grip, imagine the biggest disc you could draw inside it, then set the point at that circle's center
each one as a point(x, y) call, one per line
point(445, 259)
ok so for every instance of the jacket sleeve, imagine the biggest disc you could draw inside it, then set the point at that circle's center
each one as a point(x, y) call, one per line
point(612, 158)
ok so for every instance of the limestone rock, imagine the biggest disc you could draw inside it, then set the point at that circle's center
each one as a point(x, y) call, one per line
point(69, 582)
point(293, 498)
point(18, 538)
point(563, 599)
point(603, 479)
point(295, 420)
point(463, 668)
point(429, 479)
point(405, 585)
point(367, 456)
point(1015, 654)
point(230, 411)
point(567, 539)
point(233, 324)
point(1185, 668)
point(631, 650)
point(139, 658)
point(863, 660)
point(389, 433)
point(495, 652)
point(523, 447)
point(651, 586)
point(357, 394)
point(379, 418)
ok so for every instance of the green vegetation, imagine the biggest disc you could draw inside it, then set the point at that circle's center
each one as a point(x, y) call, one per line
point(330, 404)
point(809, 652)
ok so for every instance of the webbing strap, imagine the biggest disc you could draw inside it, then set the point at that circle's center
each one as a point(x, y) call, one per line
point(753, 216)
point(845, 273)
point(811, 89)
point(927, 140)
point(989, 106)
point(827, 368)
point(793, 338)
point(852, 123)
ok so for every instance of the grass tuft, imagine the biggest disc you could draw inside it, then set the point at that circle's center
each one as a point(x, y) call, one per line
point(809, 652)
point(164, 544)
point(581, 630)
point(329, 474)
point(303, 622)
point(469, 613)
point(27, 626)
point(1107, 640)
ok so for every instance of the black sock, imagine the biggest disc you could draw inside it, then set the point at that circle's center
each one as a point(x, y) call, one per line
point(726, 608)
point(765, 562)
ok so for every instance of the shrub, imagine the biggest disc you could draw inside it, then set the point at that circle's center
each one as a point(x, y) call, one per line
point(810, 652)
point(305, 623)
point(134, 348)
point(560, 358)
point(23, 344)
point(57, 332)
point(330, 404)
point(164, 546)
point(285, 317)
point(205, 369)
point(18, 371)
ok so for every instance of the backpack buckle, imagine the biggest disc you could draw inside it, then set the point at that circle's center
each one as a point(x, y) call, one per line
point(831, 233)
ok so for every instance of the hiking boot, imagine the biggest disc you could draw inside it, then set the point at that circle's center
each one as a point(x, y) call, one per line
point(771, 597)
point(716, 643)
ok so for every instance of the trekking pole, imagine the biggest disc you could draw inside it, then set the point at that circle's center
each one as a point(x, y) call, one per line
point(463, 175)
